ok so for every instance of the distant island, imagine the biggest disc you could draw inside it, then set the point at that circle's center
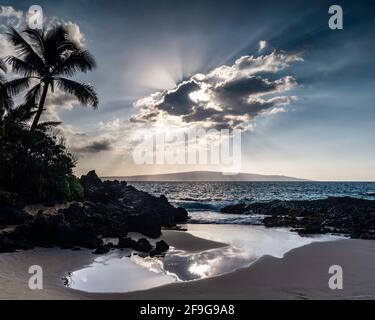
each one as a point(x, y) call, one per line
point(207, 176)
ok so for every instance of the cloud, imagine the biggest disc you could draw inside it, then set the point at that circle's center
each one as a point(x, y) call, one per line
point(61, 99)
point(95, 146)
point(117, 105)
point(112, 125)
point(9, 16)
point(81, 144)
point(273, 62)
point(178, 101)
point(75, 33)
point(56, 101)
point(226, 97)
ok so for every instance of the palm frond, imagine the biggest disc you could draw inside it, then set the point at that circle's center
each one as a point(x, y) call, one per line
point(20, 114)
point(3, 67)
point(78, 60)
point(6, 102)
point(48, 124)
point(16, 86)
point(21, 67)
point(24, 49)
point(68, 45)
point(57, 34)
point(33, 95)
point(84, 93)
point(54, 38)
point(37, 37)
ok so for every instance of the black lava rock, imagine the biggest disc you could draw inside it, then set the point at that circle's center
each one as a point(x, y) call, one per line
point(352, 216)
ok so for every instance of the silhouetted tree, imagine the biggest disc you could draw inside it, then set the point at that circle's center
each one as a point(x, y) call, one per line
point(5, 100)
point(48, 57)
point(38, 167)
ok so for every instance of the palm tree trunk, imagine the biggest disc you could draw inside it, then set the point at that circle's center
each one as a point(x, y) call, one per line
point(40, 108)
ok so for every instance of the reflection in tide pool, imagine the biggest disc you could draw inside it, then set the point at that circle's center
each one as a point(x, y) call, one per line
point(117, 272)
point(205, 264)
point(256, 241)
point(122, 272)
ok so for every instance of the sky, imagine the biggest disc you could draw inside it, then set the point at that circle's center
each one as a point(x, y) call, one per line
point(301, 94)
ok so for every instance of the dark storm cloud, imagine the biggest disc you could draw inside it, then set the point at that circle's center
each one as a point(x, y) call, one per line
point(244, 87)
point(200, 114)
point(95, 146)
point(145, 118)
point(178, 101)
point(227, 96)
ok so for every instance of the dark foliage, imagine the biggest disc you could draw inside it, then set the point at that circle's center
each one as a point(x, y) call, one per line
point(34, 163)
point(37, 167)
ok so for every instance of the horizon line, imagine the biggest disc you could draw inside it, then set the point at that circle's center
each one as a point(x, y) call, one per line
point(209, 171)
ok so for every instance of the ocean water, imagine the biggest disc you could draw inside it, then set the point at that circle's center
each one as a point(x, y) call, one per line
point(203, 200)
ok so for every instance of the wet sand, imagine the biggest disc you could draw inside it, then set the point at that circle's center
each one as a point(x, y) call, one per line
point(182, 240)
point(301, 274)
point(56, 263)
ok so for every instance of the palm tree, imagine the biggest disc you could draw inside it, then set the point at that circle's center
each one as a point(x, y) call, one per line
point(6, 101)
point(45, 57)
point(19, 116)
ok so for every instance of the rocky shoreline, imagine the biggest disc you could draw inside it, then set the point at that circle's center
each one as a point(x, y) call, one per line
point(345, 215)
point(109, 209)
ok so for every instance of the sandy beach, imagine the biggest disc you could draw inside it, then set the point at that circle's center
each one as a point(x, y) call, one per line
point(301, 274)
point(56, 263)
